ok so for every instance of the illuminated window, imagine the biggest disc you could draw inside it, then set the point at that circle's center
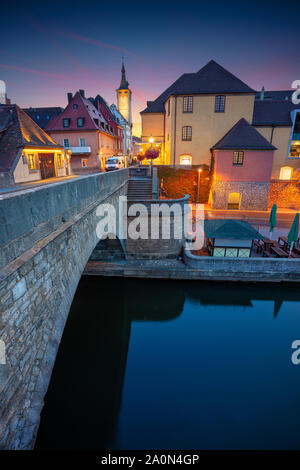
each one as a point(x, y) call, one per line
point(59, 160)
point(31, 162)
point(84, 162)
point(286, 173)
point(187, 133)
point(185, 160)
point(238, 158)
point(220, 104)
point(187, 104)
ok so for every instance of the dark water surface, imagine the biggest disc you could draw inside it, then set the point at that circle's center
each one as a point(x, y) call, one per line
point(176, 365)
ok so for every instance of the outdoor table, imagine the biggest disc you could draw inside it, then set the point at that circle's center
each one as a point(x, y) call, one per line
point(268, 243)
point(279, 252)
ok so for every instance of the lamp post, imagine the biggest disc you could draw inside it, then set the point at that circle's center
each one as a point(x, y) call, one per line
point(151, 140)
point(198, 183)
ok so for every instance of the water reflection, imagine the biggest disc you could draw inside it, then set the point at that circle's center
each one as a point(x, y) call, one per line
point(83, 400)
point(173, 392)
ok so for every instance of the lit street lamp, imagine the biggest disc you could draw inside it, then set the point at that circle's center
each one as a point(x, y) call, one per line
point(198, 183)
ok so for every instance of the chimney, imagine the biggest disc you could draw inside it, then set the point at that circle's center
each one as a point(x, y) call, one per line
point(82, 93)
point(70, 96)
point(262, 93)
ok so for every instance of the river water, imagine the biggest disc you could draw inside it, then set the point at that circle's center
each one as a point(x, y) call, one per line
point(156, 364)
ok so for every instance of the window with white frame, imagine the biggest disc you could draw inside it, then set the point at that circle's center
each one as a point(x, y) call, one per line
point(187, 104)
point(187, 133)
point(238, 158)
point(82, 142)
point(220, 104)
point(286, 173)
point(185, 159)
point(66, 143)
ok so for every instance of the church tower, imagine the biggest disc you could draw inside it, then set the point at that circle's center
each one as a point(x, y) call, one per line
point(124, 97)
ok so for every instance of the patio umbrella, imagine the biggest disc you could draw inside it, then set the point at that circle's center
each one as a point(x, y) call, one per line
point(293, 233)
point(272, 219)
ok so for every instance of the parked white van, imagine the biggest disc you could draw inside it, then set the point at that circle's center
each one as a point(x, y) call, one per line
point(114, 163)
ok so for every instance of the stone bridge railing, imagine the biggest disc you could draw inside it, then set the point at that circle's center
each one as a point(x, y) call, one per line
point(47, 235)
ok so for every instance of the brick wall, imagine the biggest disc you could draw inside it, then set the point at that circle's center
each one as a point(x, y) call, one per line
point(179, 181)
point(286, 194)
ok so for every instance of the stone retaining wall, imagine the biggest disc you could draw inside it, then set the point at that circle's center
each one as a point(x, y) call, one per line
point(244, 269)
point(255, 196)
point(151, 248)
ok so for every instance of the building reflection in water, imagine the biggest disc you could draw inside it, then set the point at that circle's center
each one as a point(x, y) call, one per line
point(83, 401)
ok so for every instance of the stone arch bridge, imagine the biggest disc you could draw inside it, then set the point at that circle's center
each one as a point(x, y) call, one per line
point(47, 235)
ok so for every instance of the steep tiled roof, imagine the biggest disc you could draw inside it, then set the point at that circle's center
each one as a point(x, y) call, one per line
point(18, 130)
point(230, 228)
point(42, 116)
point(243, 136)
point(273, 113)
point(212, 78)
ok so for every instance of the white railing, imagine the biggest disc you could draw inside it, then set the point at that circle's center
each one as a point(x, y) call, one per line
point(78, 150)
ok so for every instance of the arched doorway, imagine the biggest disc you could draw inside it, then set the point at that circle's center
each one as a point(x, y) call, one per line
point(234, 201)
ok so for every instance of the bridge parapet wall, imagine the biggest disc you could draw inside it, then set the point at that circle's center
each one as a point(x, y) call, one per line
point(30, 215)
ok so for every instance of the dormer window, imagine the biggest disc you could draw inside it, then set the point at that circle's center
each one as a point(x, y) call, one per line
point(80, 122)
point(66, 122)
point(75, 106)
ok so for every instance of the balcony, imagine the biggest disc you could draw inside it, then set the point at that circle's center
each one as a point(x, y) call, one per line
point(80, 150)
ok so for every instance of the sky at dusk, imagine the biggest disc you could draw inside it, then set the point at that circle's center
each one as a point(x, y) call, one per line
point(50, 48)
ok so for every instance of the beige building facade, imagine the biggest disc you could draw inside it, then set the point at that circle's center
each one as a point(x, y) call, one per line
point(197, 110)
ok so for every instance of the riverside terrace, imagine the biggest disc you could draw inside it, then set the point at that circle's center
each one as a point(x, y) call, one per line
point(262, 263)
point(238, 238)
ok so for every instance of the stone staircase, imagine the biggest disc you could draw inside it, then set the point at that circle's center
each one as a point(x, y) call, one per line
point(139, 188)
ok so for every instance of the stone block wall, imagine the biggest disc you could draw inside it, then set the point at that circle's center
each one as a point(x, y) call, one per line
point(254, 196)
point(160, 247)
point(36, 292)
point(243, 269)
point(30, 215)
